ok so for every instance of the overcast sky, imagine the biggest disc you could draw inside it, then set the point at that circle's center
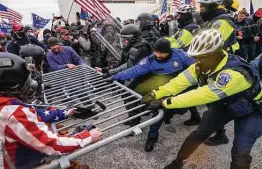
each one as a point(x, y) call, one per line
point(43, 8)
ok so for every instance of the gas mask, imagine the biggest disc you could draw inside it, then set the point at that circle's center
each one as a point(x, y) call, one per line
point(109, 34)
point(125, 41)
point(29, 88)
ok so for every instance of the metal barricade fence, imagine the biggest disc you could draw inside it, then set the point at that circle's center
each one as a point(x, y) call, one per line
point(83, 87)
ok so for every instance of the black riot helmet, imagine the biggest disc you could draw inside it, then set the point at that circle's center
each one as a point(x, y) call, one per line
point(15, 78)
point(33, 55)
point(129, 34)
point(144, 20)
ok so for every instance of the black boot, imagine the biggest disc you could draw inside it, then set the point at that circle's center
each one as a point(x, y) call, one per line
point(194, 120)
point(133, 122)
point(150, 144)
point(175, 165)
point(219, 138)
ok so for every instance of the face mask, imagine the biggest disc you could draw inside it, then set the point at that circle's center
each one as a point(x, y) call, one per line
point(20, 34)
point(125, 41)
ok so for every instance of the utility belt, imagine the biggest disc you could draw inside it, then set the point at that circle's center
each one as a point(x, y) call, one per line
point(243, 107)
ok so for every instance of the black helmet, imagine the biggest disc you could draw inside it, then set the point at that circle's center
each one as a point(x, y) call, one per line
point(129, 34)
point(13, 70)
point(131, 29)
point(35, 52)
point(15, 78)
point(144, 19)
point(52, 41)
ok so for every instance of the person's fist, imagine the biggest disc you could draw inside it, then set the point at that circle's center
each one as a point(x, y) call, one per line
point(71, 66)
point(96, 135)
point(256, 38)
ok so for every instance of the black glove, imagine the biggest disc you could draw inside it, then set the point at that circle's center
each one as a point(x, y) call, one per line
point(109, 79)
point(81, 128)
point(155, 105)
point(148, 98)
point(47, 85)
point(105, 70)
point(105, 75)
point(83, 113)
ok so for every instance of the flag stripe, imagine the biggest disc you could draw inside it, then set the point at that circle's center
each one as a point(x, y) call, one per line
point(88, 7)
point(95, 7)
point(10, 14)
point(176, 3)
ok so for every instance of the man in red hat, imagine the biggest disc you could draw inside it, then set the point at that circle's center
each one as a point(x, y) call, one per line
point(19, 38)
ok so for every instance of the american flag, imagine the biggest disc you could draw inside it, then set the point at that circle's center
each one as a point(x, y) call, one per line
point(176, 4)
point(163, 12)
point(94, 7)
point(190, 2)
point(11, 15)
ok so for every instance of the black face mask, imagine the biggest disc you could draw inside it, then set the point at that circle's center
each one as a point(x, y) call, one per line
point(20, 34)
point(209, 13)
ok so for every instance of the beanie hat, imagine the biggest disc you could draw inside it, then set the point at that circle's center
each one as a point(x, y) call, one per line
point(46, 31)
point(258, 13)
point(27, 28)
point(52, 41)
point(162, 45)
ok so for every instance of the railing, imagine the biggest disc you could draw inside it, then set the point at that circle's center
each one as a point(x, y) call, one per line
point(83, 87)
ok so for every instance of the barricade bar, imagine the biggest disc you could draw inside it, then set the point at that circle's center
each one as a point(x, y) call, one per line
point(83, 87)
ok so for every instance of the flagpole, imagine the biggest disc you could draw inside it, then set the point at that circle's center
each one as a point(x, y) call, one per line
point(70, 9)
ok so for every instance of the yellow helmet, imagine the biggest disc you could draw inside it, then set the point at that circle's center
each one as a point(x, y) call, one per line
point(231, 5)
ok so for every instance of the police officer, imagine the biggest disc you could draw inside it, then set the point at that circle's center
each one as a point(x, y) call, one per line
point(215, 15)
point(153, 71)
point(135, 48)
point(182, 39)
point(188, 28)
point(148, 29)
point(228, 85)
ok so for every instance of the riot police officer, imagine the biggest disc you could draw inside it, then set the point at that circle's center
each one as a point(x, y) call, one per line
point(135, 48)
point(148, 29)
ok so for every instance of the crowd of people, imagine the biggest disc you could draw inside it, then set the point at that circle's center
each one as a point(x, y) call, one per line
point(209, 57)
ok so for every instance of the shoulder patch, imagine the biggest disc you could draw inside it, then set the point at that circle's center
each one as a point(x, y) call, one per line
point(223, 79)
point(176, 64)
point(143, 62)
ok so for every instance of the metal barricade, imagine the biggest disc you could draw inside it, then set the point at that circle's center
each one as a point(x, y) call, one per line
point(84, 86)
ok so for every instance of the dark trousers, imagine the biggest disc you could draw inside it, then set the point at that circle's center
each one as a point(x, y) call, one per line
point(247, 130)
point(243, 52)
point(153, 132)
point(251, 52)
